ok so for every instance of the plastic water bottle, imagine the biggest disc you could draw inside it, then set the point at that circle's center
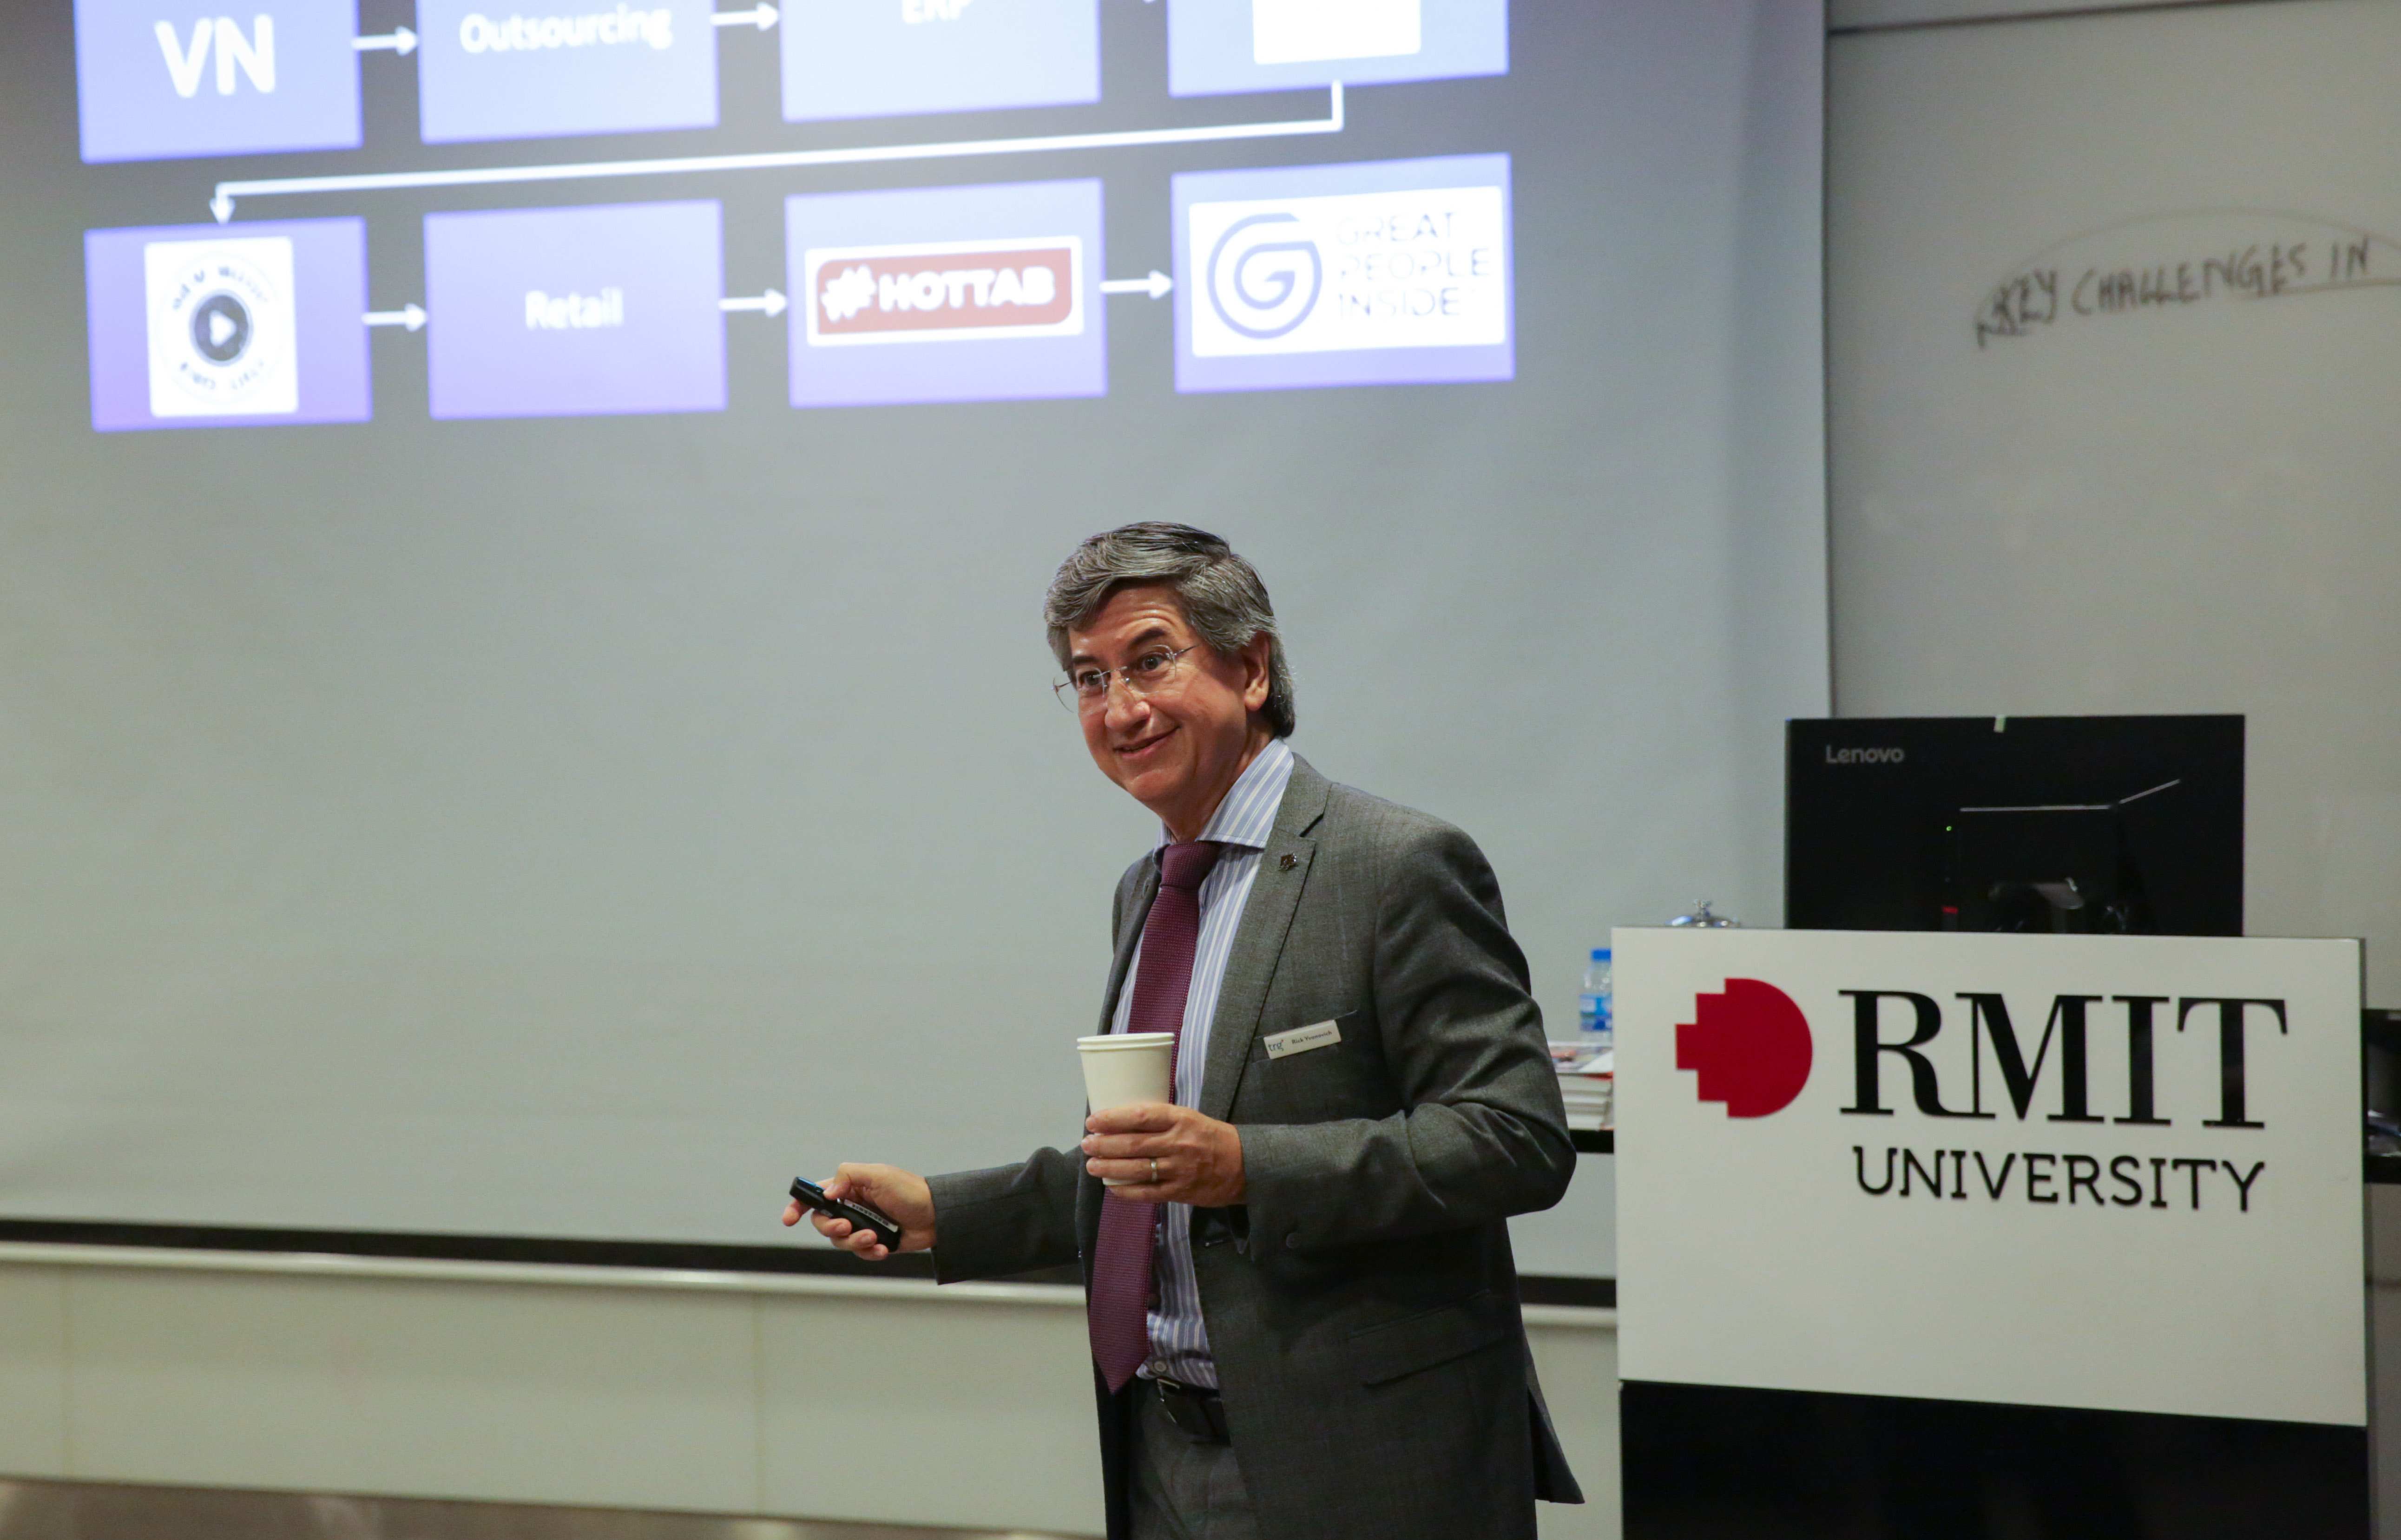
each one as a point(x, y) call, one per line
point(1594, 1017)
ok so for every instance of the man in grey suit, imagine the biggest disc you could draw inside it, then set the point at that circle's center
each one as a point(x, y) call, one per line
point(1304, 1314)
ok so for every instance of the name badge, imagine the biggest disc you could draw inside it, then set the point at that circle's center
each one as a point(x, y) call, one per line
point(1301, 1040)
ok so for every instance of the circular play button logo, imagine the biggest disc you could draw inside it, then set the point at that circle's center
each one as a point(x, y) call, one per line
point(221, 328)
point(224, 325)
point(1748, 1047)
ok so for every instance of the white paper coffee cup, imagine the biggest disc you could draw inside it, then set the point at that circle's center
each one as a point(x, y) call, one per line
point(1124, 1068)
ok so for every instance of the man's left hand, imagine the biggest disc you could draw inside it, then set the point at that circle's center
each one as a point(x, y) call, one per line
point(1199, 1160)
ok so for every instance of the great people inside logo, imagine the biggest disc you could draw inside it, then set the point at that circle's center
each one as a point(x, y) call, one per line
point(1748, 1047)
point(1260, 286)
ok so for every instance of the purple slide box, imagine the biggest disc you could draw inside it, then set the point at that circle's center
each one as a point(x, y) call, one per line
point(572, 312)
point(488, 71)
point(849, 58)
point(168, 79)
point(964, 293)
point(312, 336)
point(1219, 46)
point(1391, 272)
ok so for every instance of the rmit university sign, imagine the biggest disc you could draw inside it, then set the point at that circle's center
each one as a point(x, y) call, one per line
point(2064, 1051)
point(2119, 1173)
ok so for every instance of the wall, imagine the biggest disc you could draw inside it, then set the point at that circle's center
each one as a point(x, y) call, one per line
point(2183, 504)
point(604, 1387)
point(710, 1394)
point(2187, 508)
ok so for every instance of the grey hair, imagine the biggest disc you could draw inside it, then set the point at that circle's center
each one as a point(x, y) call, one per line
point(1221, 594)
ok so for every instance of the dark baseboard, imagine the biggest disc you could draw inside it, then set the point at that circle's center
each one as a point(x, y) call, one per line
point(1546, 1289)
point(1708, 1461)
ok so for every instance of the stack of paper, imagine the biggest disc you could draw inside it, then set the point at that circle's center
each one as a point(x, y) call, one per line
point(1587, 1083)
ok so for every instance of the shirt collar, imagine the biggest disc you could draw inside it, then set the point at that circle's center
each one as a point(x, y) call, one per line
point(1247, 815)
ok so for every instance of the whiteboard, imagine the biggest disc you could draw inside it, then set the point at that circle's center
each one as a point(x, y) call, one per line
point(2113, 324)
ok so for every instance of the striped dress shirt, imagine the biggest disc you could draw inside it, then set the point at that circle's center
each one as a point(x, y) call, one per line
point(1179, 1341)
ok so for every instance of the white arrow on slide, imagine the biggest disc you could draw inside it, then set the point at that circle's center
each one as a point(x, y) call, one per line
point(771, 302)
point(848, 154)
point(410, 315)
point(1156, 285)
point(762, 17)
point(400, 40)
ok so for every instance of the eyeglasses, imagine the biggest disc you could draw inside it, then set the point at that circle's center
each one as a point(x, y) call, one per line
point(1088, 689)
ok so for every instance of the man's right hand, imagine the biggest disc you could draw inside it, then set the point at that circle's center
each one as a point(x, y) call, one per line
point(902, 1194)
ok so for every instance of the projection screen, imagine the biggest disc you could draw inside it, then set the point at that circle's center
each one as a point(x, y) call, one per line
point(524, 708)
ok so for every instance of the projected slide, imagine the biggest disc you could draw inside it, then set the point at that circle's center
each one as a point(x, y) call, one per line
point(564, 312)
point(846, 60)
point(1219, 46)
point(1357, 271)
point(194, 326)
point(946, 294)
point(1383, 274)
point(530, 519)
point(166, 79)
point(491, 72)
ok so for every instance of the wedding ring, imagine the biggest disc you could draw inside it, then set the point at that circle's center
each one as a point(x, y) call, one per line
point(1154, 1170)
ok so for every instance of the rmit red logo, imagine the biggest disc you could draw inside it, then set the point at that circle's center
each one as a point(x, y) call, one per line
point(1750, 1048)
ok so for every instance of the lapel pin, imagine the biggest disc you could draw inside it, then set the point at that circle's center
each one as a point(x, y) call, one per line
point(1284, 863)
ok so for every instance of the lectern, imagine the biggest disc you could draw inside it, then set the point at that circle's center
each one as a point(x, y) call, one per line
point(1958, 1235)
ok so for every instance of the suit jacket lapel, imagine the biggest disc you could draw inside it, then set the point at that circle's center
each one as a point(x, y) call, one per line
point(1258, 940)
point(1128, 937)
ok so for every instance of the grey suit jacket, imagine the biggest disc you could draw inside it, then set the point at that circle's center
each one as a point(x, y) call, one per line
point(1360, 1302)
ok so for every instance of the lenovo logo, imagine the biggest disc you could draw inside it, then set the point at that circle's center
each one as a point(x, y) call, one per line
point(1865, 757)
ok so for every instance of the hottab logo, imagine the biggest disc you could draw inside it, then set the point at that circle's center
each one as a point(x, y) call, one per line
point(1749, 1047)
point(946, 292)
point(1009, 273)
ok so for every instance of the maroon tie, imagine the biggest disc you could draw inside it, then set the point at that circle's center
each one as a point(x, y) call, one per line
point(1118, 1312)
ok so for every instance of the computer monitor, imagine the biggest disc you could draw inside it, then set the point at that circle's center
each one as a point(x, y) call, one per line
point(2080, 825)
